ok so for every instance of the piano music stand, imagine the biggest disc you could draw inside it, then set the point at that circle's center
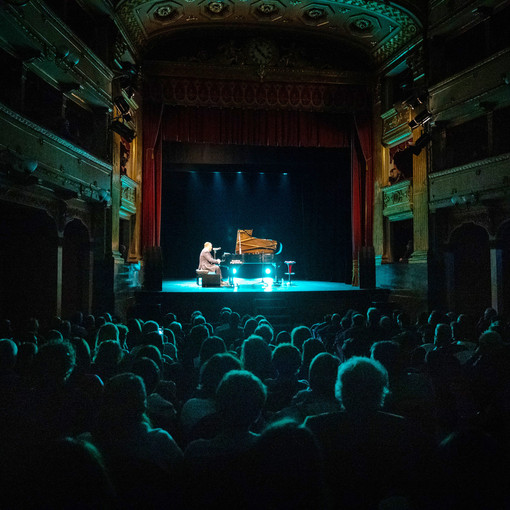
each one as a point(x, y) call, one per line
point(289, 272)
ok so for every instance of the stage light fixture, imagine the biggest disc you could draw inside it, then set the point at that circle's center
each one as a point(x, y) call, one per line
point(121, 104)
point(268, 270)
point(234, 271)
point(127, 133)
point(420, 119)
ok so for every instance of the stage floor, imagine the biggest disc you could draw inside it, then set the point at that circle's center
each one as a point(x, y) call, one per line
point(301, 302)
point(256, 285)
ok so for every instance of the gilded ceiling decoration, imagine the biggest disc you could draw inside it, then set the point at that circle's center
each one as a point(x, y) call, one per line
point(379, 28)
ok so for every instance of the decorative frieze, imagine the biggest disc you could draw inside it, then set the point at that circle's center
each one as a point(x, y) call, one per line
point(255, 95)
point(128, 196)
point(396, 126)
point(471, 183)
point(398, 201)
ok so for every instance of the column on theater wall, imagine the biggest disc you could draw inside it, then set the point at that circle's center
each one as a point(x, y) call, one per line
point(380, 168)
point(420, 205)
point(135, 172)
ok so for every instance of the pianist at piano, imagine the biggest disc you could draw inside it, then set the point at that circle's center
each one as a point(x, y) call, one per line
point(252, 251)
point(206, 260)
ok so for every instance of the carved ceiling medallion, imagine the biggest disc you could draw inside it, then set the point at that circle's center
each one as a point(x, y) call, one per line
point(164, 11)
point(267, 9)
point(315, 13)
point(216, 7)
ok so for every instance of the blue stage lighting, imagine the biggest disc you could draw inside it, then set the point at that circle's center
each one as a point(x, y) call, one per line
point(268, 270)
point(234, 270)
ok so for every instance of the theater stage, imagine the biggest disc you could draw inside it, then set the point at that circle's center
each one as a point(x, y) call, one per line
point(284, 305)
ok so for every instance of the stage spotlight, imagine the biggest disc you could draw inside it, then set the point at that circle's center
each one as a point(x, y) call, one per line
point(123, 130)
point(420, 119)
point(121, 104)
point(234, 271)
point(268, 270)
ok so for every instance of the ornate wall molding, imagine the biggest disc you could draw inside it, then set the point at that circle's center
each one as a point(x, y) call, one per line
point(398, 201)
point(128, 197)
point(396, 126)
point(380, 28)
point(488, 179)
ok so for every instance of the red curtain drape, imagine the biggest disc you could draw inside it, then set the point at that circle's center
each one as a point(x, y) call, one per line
point(363, 123)
point(255, 127)
point(151, 175)
point(362, 189)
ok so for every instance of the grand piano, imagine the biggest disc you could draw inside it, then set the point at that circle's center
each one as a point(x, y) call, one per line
point(252, 251)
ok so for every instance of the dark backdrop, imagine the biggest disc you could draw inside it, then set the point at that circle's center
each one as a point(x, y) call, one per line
point(299, 197)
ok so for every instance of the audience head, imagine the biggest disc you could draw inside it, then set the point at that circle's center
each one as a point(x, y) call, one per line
point(149, 371)
point(388, 354)
point(8, 353)
point(288, 462)
point(151, 352)
point(213, 370)
point(256, 357)
point(210, 346)
point(286, 360)
point(25, 359)
point(65, 329)
point(54, 362)
point(373, 316)
point(74, 476)
point(283, 337)
point(442, 335)
point(107, 331)
point(249, 327)
point(265, 332)
point(362, 385)
point(124, 399)
point(299, 335)
point(234, 319)
point(83, 354)
point(150, 326)
point(6, 329)
point(153, 338)
point(323, 374)
point(403, 320)
point(240, 398)
point(357, 320)
point(176, 327)
point(311, 348)
point(490, 342)
point(108, 353)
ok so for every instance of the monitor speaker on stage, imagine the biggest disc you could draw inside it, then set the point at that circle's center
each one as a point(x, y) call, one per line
point(366, 267)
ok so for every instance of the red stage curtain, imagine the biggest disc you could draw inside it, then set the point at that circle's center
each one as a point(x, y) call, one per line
point(255, 127)
point(363, 124)
point(151, 176)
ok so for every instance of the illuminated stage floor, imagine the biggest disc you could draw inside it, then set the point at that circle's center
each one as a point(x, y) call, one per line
point(256, 285)
point(284, 305)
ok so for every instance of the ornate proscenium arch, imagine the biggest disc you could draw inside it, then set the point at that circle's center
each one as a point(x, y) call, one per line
point(382, 29)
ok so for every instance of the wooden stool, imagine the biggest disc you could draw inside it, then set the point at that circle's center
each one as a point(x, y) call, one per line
point(289, 272)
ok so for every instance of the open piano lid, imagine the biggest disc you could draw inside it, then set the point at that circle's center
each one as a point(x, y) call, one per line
point(246, 243)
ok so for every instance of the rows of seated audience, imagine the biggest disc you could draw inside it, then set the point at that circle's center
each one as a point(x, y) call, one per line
point(362, 410)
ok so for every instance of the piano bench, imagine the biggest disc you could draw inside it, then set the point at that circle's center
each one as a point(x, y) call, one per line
point(209, 278)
